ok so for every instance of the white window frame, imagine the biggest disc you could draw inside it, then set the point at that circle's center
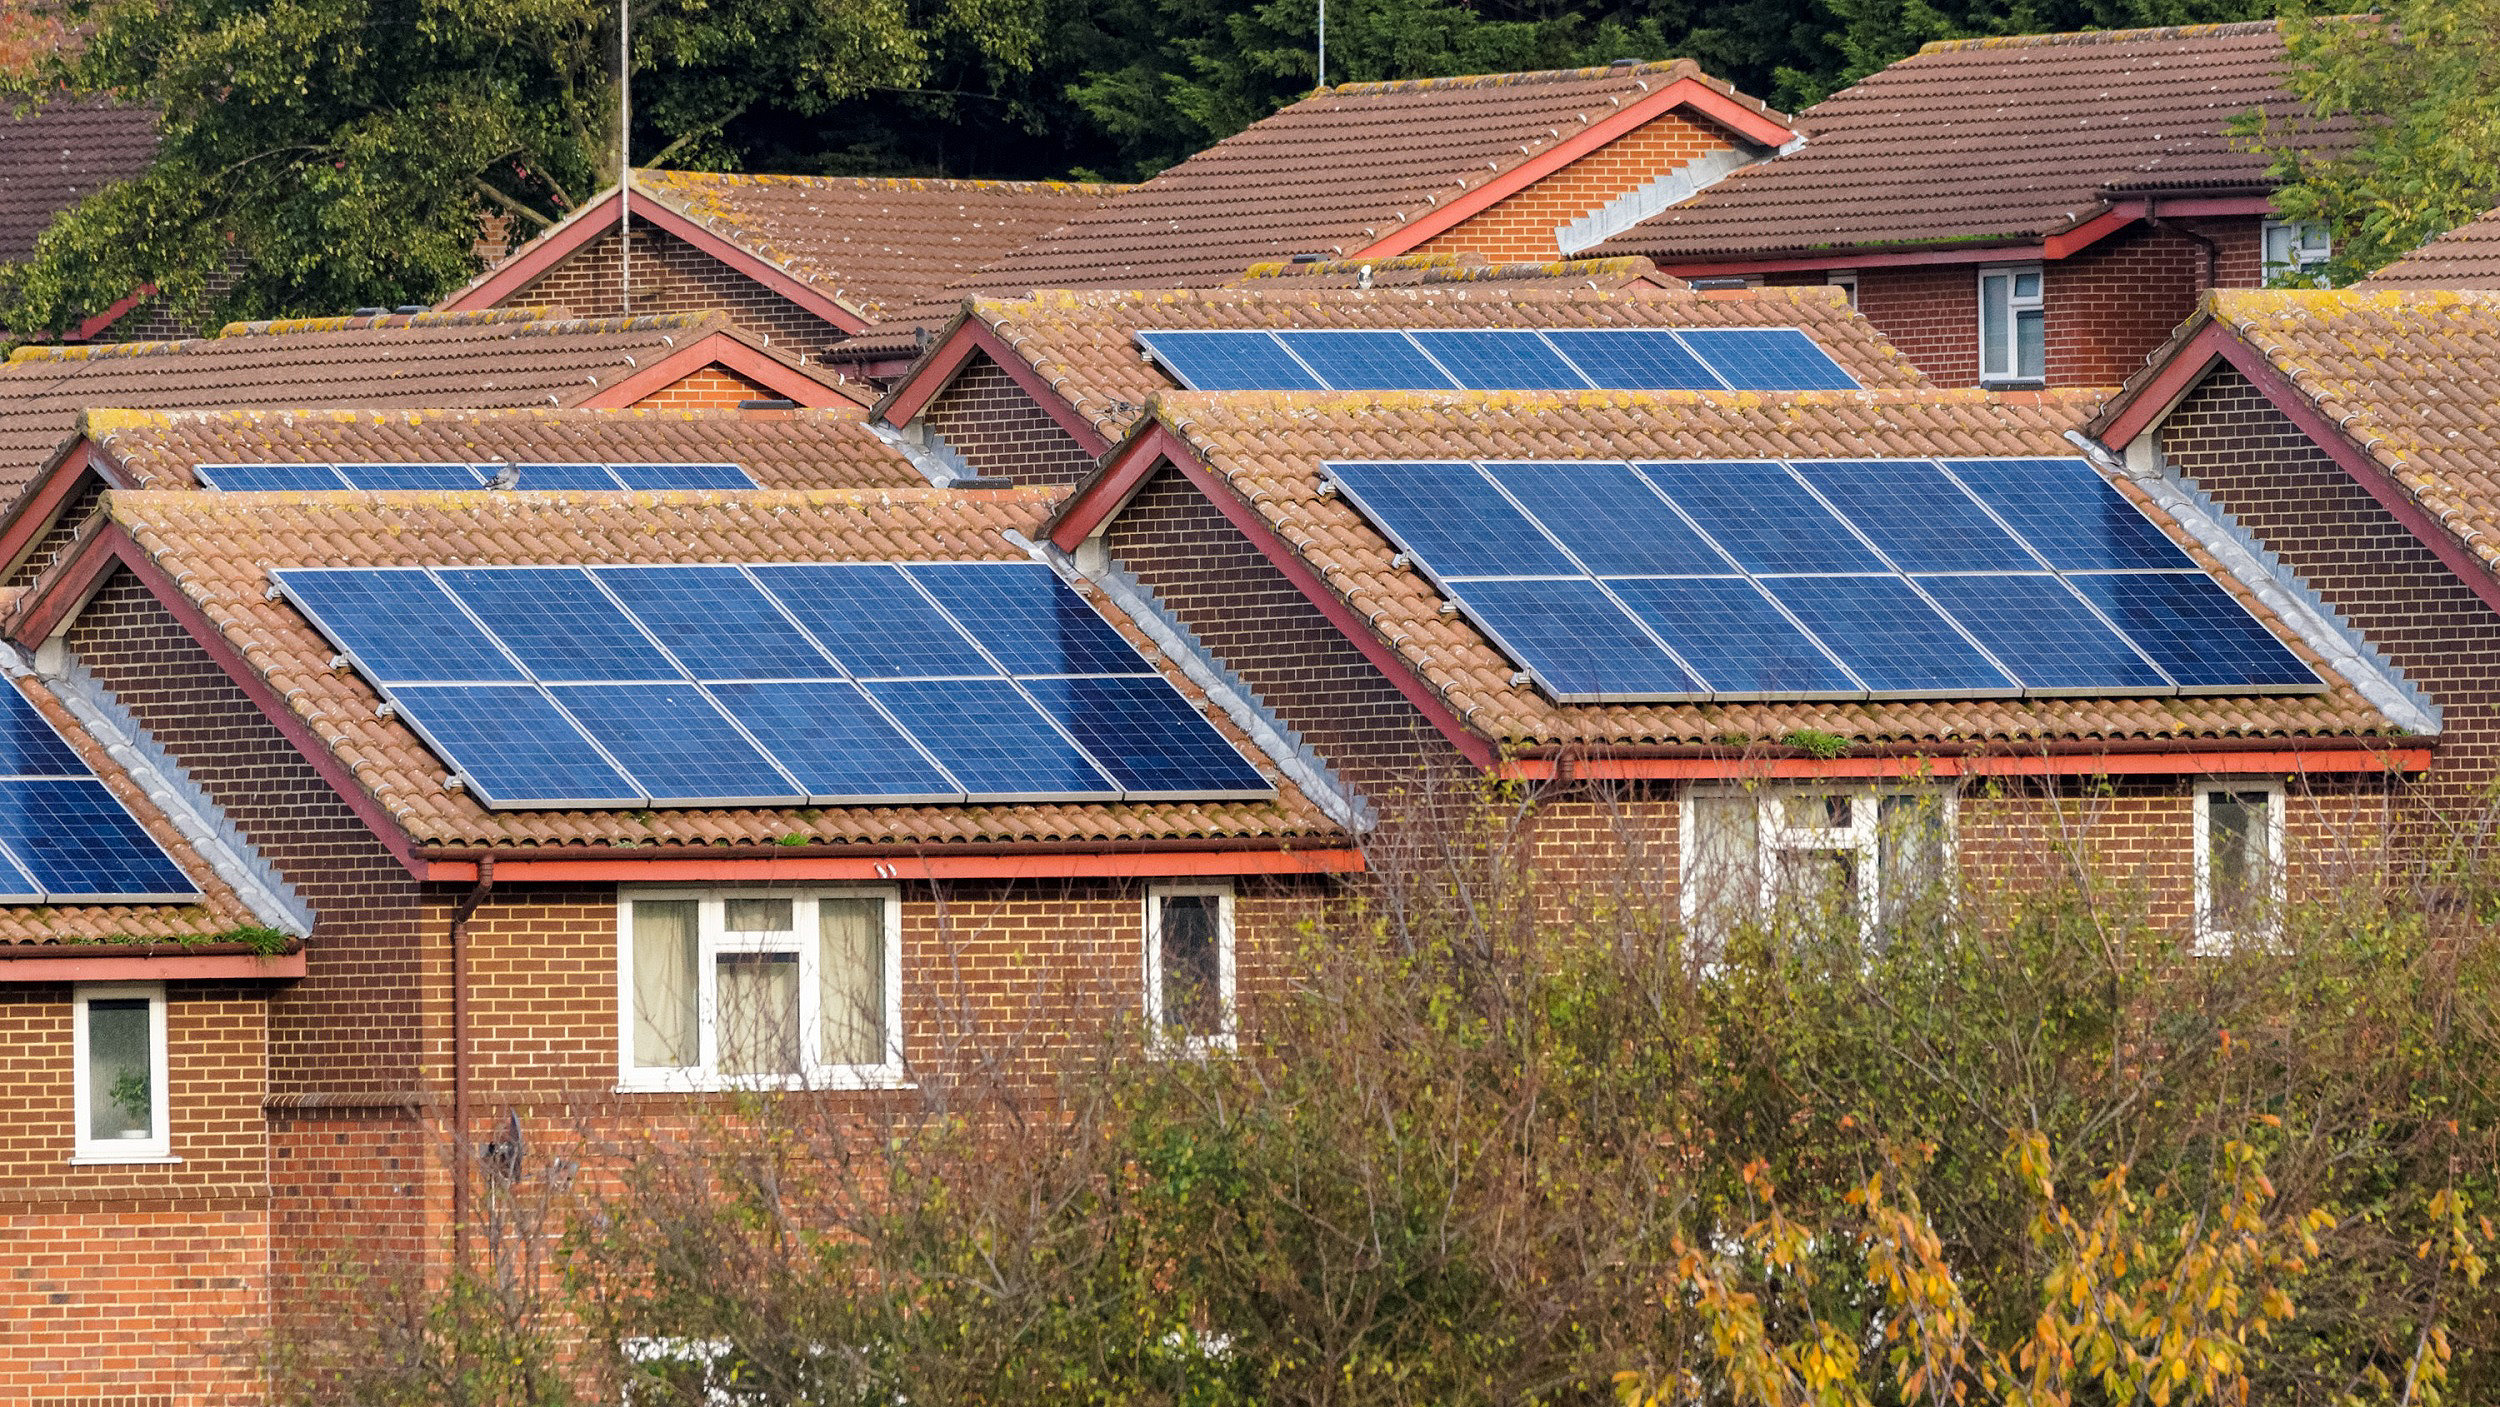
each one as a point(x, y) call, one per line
point(2209, 938)
point(712, 941)
point(159, 1149)
point(2307, 258)
point(1844, 279)
point(2011, 372)
point(1772, 834)
point(1228, 1037)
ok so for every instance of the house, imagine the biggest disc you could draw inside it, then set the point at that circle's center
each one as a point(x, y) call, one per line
point(2465, 257)
point(2030, 210)
point(55, 153)
point(802, 261)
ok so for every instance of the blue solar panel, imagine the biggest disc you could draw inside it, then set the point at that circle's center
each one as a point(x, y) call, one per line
point(2069, 513)
point(717, 623)
point(1916, 516)
point(1450, 517)
point(1762, 517)
point(834, 741)
point(409, 476)
point(1610, 518)
point(876, 623)
point(1367, 361)
point(683, 476)
point(1027, 618)
point(560, 476)
point(674, 744)
point(1580, 644)
point(398, 624)
point(512, 744)
point(1634, 359)
point(267, 478)
point(1888, 636)
point(1147, 736)
point(2195, 631)
point(29, 746)
point(1228, 361)
point(1767, 359)
point(560, 625)
point(2039, 630)
point(1727, 629)
point(77, 841)
point(1486, 359)
point(992, 740)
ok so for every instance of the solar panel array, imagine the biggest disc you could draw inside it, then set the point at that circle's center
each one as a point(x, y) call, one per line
point(258, 478)
point(63, 837)
point(769, 684)
point(1500, 359)
point(1805, 579)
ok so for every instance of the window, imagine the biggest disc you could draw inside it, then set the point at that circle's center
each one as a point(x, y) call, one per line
point(1728, 283)
point(1189, 966)
point(761, 990)
point(119, 1100)
point(1877, 861)
point(2013, 325)
point(1845, 280)
point(2239, 863)
point(2297, 254)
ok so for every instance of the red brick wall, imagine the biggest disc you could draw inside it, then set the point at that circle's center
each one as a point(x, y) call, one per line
point(1521, 228)
point(712, 388)
point(999, 430)
point(672, 276)
point(133, 1302)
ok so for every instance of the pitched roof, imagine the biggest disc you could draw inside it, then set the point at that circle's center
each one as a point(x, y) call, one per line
point(2465, 257)
point(2005, 139)
point(789, 450)
point(1410, 270)
point(1269, 449)
point(57, 153)
point(218, 550)
point(1082, 343)
point(502, 357)
point(1332, 174)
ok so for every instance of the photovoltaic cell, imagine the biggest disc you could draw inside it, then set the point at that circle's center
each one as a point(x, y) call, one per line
point(76, 841)
point(1916, 516)
point(683, 476)
point(673, 743)
point(1577, 641)
point(2070, 513)
point(2039, 630)
point(266, 478)
point(1448, 515)
point(1762, 517)
point(29, 747)
point(1609, 518)
point(1887, 636)
point(834, 741)
point(1146, 735)
point(1489, 360)
point(409, 476)
point(2194, 629)
point(512, 744)
point(398, 624)
point(560, 625)
point(1633, 359)
point(1727, 629)
point(993, 740)
point(717, 623)
point(1767, 359)
point(876, 623)
point(561, 476)
point(1229, 361)
point(1028, 619)
point(1367, 361)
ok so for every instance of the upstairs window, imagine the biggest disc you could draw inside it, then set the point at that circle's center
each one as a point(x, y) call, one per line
point(2239, 863)
point(761, 991)
point(1846, 280)
point(2297, 253)
point(1189, 967)
point(1876, 862)
point(2013, 325)
point(120, 1098)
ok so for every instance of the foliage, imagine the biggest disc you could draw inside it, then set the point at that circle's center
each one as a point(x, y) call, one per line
point(2422, 82)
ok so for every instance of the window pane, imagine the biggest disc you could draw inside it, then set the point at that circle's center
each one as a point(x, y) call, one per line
point(2026, 286)
point(852, 968)
point(2279, 243)
point(759, 1013)
point(756, 916)
point(1193, 973)
point(1725, 880)
point(1910, 874)
point(1818, 886)
point(665, 991)
point(2031, 361)
point(121, 1099)
point(1996, 332)
point(2239, 875)
point(1818, 812)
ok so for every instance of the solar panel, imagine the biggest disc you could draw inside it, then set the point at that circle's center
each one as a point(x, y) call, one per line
point(1491, 360)
point(1767, 359)
point(267, 478)
point(1728, 630)
point(29, 746)
point(835, 742)
point(1027, 619)
point(512, 744)
point(2072, 515)
point(674, 744)
point(1610, 519)
point(1228, 361)
point(560, 476)
point(1447, 514)
point(2197, 632)
point(993, 740)
point(398, 624)
point(409, 476)
point(2044, 634)
point(1146, 736)
point(683, 476)
point(1633, 359)
point(76, 840)
point(875, 622)
point(1367, 361)
point(558, 623)
point(1887, 636)
point(1915, 515)
point(718, 624)
point(1762, 517)
point(1576, 640)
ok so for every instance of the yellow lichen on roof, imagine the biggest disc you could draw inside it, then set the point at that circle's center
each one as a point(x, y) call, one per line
point(1509, 80)
point(2099, 36)
point(280, 327)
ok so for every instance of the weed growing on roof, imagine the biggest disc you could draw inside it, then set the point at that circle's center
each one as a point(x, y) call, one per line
point(261, 940)
point(1814, 742)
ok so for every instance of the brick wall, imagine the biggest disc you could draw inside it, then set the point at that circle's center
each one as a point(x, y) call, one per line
point(712, 388)
point(1521, 227)
point(987, 418)
point(672, 276)
point(133, 1303)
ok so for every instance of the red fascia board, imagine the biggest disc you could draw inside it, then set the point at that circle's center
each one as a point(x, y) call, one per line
point(1709, 102)
point(1101, 496)
point(930, 372)
point(69, 586)
point(35, 512)
point(91, 963)
point(1083, 865)
point(719, 349)
point(545, 253)
point(94, 326)
point(2151, 403)
point(2183, 762)
point(2193, 206)
point(941, 365)
point(1857, 259)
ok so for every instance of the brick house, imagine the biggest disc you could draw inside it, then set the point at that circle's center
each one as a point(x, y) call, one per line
point(2465, 257)
point(55, 153)
point(2031, 210)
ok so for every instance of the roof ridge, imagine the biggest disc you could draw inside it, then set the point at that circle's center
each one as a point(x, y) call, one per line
point(2103, 36)
point(99, 351)
point(646, 176)
point(289, 327)
point(1506, 80)
point(640, 322)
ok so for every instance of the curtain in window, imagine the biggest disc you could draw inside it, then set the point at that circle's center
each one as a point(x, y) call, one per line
point(665, 988)
point(851, 968)
point(120, 1102)
point(1193, 966)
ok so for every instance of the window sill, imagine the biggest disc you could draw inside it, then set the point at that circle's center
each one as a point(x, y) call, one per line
point(2015, 383)
point(100, 1160)
point(847, 1085)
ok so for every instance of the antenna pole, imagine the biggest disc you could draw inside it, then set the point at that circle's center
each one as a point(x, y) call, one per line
point(624, 157)
point(1323, 43)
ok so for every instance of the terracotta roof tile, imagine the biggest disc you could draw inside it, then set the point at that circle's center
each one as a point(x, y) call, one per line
point(1270, 448)
point(501, 357)
point(2005, 139)
point(791, 449)
point(1083, 342)
point(59, 152)
point(220, 549)
point(2465, 257)
point(1409, 270)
